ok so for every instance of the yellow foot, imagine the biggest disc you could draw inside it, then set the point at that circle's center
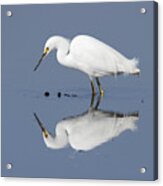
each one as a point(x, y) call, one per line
point(102, 93)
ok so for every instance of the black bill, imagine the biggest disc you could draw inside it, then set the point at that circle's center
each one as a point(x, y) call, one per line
point(41, 59)
point(39, 122)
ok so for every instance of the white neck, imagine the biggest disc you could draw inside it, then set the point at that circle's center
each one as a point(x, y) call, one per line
point(62, 51)
point(58, 141)
point(62, 45)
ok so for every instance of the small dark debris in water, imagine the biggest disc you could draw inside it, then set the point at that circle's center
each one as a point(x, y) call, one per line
point(67, 95)
point(59, 94)
point(74, 95)
point(46, 94)
point(142, 101)
point(70, 95)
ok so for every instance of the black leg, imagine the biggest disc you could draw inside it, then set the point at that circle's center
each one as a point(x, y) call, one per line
point(92, 101)
point(93, 88)
point(99, 86)
point(98, 102)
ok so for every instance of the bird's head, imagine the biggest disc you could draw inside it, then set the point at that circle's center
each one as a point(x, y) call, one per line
point(49, 139)
point(48, 47)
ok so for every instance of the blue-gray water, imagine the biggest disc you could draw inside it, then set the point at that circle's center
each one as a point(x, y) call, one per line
point(23, 35)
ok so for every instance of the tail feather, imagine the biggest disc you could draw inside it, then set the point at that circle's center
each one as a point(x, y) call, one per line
point(135, 61)
point(136, 70)
point(128, 66)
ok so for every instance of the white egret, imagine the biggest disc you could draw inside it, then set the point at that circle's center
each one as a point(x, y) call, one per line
point(88, 130)
point(90, 56)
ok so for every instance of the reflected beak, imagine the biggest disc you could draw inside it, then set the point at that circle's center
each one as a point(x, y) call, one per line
point(44, 131)
point(39, 62)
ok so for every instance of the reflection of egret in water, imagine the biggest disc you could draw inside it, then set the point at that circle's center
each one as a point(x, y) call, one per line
point(90, 129)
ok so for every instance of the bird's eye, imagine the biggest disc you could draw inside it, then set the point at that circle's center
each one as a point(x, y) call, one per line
point(47, 49)
point(45, 133)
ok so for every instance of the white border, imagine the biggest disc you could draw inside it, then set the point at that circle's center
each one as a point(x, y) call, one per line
point(5, 2)
point(47, 182)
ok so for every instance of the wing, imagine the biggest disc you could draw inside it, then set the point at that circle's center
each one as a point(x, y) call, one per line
point(95, 56)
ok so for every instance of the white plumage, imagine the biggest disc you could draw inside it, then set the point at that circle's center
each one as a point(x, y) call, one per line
point(90, 56)
point(88, 130)
point(97, 59)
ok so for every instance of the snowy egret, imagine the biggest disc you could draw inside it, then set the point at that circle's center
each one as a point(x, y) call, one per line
point(88, 130)
point(90, 56)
